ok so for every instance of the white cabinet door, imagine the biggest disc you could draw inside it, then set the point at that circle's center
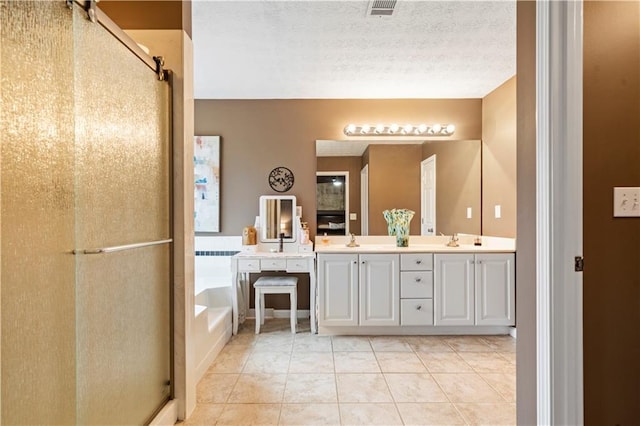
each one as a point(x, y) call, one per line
point(379, 289)
point(495, 289)
point(454, 289)
point(338, 289)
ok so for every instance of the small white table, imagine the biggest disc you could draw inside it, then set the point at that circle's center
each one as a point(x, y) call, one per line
point(242, 264)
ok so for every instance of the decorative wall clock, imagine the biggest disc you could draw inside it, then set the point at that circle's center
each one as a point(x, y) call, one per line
point(281, 179)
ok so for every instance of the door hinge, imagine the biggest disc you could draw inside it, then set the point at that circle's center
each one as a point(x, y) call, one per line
point(579, 264)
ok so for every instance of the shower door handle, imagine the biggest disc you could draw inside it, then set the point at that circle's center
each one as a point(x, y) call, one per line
point(113, 249)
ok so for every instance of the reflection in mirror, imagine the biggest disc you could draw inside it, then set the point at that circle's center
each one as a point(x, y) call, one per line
point(277, 214)
point(394, 181)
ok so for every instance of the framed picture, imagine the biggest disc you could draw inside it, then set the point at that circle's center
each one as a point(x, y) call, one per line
point(206, 163)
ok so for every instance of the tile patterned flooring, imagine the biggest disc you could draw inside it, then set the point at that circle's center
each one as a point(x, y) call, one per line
point(277, 378)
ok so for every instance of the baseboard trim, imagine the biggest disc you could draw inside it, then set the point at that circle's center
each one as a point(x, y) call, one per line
point(167, 416)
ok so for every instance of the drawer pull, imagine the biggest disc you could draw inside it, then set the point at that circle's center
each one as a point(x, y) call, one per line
point(418, 262)
point(418, 279)
point(418, 307)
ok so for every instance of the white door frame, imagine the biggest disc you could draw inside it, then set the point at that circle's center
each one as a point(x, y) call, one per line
point(364, 200)
point(346, 195)
point(422, 203)
point(559, 212)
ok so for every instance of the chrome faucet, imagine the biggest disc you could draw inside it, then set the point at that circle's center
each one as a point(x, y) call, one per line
point(453, 242)
point(353, 243)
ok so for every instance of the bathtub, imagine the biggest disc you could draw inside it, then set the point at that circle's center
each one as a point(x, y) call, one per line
point(212, 326)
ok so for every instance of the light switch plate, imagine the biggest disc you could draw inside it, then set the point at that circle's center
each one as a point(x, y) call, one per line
point(353, 216)
point(626, 202)
point(497, 211)
point(469, 214)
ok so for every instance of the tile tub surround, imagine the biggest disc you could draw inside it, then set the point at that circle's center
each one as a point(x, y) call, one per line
point(390, 380)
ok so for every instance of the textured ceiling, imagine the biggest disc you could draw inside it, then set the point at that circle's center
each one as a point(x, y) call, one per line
point(332, 49)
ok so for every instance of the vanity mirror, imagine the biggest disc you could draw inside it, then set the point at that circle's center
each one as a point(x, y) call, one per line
point(277, 216)
point(391, 175)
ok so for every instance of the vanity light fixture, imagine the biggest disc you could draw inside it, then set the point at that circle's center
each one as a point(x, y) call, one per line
point(397, 130)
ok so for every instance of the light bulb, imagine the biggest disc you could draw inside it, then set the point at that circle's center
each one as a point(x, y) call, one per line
point(436, 128)
point(422, 128)
point(380, 128)
point(365, 128)
point(451, 128)
point(407, 129)
point(393, 128)
point(350, 129)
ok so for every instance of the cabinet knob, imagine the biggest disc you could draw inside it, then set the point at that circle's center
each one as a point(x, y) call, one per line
point(418, 262)
point(355, 261)
point(418, 307)
point(418, 279)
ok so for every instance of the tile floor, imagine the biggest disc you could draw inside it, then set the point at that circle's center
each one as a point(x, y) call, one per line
point(280, 378)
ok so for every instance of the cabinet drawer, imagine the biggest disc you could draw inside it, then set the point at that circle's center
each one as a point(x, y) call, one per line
point(297, 265)
point(416, 262)
point(416, 312)
point(418, 284)
point(273, 264)
point(248, 265)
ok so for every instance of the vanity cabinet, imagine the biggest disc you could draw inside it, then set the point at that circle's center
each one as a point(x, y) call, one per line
point(379, 289)
point(454, 289)
point(416, 289)
point(338, 289)
point(474, 289)
point(358, 289)
point(495, 289)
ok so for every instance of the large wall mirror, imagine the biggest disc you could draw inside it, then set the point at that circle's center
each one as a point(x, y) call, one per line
point(277, 218)
point(394, 173)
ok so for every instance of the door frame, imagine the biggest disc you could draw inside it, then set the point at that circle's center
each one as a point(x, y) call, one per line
point(364, 200)
point(346, 194)
point(423, 163)
point(559, 342)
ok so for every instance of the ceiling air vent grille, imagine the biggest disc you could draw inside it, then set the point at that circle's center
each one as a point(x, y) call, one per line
point(381, 8)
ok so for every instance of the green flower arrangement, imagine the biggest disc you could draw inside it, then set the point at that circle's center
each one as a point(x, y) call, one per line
point(398, 224)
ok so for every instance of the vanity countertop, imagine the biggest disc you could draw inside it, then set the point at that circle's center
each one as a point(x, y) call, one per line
point(417, 244)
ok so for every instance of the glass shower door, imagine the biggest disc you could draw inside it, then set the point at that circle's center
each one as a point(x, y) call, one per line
point(122, 206)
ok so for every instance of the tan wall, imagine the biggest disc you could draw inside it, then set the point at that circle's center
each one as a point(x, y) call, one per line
point(526, 214)
point(499, 160)
point(611, 245)
point(258, 135)
point(458, 185)
point(353, 165)
point(149, 14)
point(394, 183)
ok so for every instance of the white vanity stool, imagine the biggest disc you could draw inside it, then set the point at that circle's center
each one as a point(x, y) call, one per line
point(275, 285)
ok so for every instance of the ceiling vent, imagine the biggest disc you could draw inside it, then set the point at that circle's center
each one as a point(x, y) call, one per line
point(381, 8)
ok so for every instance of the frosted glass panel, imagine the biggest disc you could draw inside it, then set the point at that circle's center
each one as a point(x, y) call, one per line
point(122, 197)
point(123, 335)
point(84, 163)
point(122, 144)
point(37, 212)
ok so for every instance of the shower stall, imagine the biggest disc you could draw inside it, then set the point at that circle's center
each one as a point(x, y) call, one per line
point(85, 220)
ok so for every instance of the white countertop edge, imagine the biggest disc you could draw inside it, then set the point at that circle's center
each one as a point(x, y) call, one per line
point(412, 249)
